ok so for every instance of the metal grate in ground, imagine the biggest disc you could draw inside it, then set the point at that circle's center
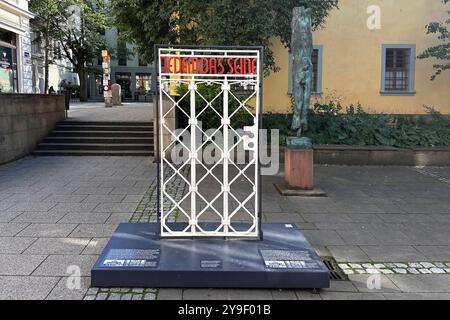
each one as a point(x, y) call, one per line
point(336, 273)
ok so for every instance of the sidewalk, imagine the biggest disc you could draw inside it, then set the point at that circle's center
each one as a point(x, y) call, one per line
point(96, 111)
point(57, 212)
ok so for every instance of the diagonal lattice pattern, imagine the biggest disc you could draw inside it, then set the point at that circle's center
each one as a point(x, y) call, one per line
point(220, 195)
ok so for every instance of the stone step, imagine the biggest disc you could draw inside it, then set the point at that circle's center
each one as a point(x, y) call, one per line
point(99, 140)
point(117, 153)
point(106, 123)
point(93, 146)
point(103, 127)
point(79, 133)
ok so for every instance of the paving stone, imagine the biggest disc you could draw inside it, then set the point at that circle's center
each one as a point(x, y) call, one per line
point(415, 265)
point(19, 264)
point(65, 289)
point(95, 246)
point(401, 265)
point(323, 237)
point(413, 271)
point(13, 245)
point(400, 270)
point(132, 198)
point(65, 198)
point(101, 296)
point(284, 294)
point(343, 266)
point(205, 294)
point(7, 216)
point(170, 294)
point(11, 229)
point(417, 296)
point(92, 291)
point(427, 265)
point(76, 207)
point(283, 218)
point(437, 270)
point(386, 271)
point(85, 218)
point(26, 288)
point(57, 246)
point(39, 217)
point(117, 218)
point(351, 296)
point(98, 198)
point(93, 230)
point(93, 191)
point(58, 265)
point(341, 286)
point(5, 205)
point(425, 271)
point(358, 237)
point(127, 296)
point(348, 271)
point(373, 271)
point(115, 296)
point(307, 295)
point(392, 253)
point(47, 230)
point(368, 283)
point(129, 191)
point(421, 283)
point(33, 206)
point(116, 207)
point(249, 294)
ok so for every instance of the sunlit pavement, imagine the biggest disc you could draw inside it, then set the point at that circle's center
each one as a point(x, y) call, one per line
point(57, 213)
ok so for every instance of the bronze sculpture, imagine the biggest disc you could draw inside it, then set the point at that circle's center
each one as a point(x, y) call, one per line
point(302, 68)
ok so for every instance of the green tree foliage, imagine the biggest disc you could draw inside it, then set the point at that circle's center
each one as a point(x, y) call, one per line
point(441, 51)
point(76, 26)
point(215, 22)
point(45, 11)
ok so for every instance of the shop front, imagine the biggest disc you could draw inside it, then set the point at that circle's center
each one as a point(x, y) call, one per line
point(8, 62)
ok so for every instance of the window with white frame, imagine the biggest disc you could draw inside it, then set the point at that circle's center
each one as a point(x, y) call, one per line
point(398, 69)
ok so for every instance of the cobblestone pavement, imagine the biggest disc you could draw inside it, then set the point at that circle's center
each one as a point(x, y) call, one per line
point(96, 111)
point(59, 212)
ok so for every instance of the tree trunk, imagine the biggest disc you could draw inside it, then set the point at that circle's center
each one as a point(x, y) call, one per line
point(46, 59)
point(82, 74)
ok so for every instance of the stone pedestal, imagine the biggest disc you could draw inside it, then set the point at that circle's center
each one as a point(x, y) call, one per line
point(299, 169)
point(137, 257)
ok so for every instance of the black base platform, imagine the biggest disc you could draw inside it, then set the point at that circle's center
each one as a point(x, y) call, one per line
point(136, 257)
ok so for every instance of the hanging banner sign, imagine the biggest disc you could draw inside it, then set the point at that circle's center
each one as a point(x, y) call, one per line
point(203, 62)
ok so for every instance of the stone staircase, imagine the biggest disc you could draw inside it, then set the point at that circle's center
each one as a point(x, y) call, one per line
point(96, 138)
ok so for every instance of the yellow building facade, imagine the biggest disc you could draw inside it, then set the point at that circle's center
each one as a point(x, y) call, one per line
point(366, 53)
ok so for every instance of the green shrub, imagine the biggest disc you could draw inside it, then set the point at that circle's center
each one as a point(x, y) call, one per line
point(210, 117)
point(330, 124)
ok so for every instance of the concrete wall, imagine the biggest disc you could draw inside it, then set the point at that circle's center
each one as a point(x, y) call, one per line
point(25, 119)
point(352, 58)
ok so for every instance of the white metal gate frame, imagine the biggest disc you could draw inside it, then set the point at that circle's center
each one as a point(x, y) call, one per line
point(225, 229)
